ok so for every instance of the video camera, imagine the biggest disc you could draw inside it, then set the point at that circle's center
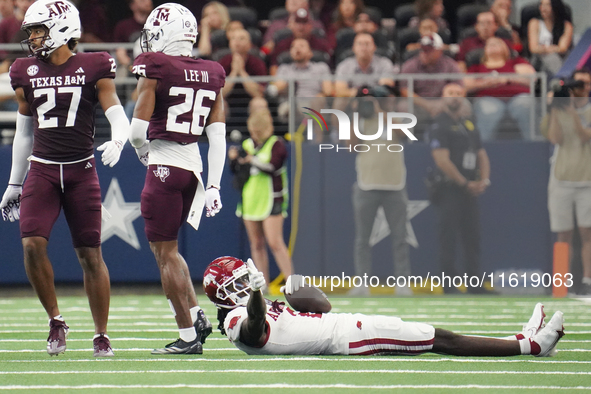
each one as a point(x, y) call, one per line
point(366, 106)
point(562, 87)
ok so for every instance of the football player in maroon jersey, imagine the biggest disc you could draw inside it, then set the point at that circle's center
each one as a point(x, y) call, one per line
point(179, 97)
point(57, 92)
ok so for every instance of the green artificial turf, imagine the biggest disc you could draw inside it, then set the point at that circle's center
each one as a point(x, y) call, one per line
point(140, 323)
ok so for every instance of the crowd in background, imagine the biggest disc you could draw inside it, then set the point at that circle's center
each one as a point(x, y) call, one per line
point(321, 38)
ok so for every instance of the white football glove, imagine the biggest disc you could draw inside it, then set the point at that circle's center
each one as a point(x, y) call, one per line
point(143, 153)
point(11, 203)
point(292, 284)
point(255, 277)
point(213, 202)
point(112, 152)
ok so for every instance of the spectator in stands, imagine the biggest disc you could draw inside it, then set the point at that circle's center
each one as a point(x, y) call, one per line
point(301, 26)
point(6, 9)
point(427, 27)
point(232, 26)
point(215, 16)
point(10, 27)
point(375, 69)
point(94, 21)
point(346, 15)
point(128, 30)
point(502, 10)
point(486, 27)
point(366, 23)
point(241, 63)
point(430, 60)
point(7, 95)
point(264, 201)
point(550, 37)
point(499, 94)
point(292, 6)
point(306, 72)
point(302, 68)
point(432, 9)
point(568, 126)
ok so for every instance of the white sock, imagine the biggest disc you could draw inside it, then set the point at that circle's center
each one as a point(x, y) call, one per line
point(587, 281)
point(525, 346)
point(98, 335)
point(59, 317)
point(194, 312)
point(188, 334)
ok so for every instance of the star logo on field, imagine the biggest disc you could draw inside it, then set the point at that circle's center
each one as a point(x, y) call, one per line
point(122, 214)
point(381, 229)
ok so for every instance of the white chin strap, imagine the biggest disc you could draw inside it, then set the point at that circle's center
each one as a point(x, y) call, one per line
point(179, 48)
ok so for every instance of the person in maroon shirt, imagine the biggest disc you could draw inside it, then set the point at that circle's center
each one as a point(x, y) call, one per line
point(501, 94)
point(486, 27)
point(10, 27)
point(301, 27)
point(179, 98)
point(241, 63)
point(128, 30)
point(57, 92)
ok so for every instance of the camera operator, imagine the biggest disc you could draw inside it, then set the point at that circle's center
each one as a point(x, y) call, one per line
point(567, 126)
point(381, 183)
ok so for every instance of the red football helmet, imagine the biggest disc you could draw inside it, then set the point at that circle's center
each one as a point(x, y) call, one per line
point(225, 282)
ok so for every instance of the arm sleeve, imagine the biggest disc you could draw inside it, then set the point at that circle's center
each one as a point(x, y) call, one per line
point(21, 149)
point(216, 157)
point(138, 134)
point(119, 123)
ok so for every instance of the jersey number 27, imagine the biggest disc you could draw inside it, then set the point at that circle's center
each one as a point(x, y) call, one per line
point(193, 101)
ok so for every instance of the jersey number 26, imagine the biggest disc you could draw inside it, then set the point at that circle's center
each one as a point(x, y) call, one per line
point(192, 102)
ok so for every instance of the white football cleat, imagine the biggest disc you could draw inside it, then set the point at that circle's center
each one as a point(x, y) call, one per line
point(543, 344)
point(535, 323)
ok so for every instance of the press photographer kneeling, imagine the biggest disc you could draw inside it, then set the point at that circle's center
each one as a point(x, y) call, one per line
point(567, 126)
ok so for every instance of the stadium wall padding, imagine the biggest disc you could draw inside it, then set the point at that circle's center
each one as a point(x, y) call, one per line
point(514, 219)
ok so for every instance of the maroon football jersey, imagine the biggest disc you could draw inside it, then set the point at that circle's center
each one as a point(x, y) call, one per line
point(186, 91)
point(62, 100)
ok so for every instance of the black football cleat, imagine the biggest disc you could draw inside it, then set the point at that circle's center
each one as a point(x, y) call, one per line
point(202, 326)
point(181, 347)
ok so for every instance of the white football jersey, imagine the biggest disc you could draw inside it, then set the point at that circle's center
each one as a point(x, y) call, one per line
point(291, 332)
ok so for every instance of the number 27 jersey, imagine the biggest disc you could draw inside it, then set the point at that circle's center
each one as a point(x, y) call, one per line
point(186, 91)
point(62, 100)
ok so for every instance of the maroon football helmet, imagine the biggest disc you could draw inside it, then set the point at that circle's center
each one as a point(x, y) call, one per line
point(225, 282)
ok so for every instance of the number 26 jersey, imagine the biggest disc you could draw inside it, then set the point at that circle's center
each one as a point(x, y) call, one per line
point(62, 100)
point(186, 91)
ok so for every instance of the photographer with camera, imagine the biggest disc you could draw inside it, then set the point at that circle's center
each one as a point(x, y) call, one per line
point(567, 126)
point(381, 183)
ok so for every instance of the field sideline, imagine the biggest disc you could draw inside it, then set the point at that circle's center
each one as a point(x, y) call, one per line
point(140, 323)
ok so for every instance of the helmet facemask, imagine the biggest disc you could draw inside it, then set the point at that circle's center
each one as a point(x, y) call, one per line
point(40, 47)
point(230, 291)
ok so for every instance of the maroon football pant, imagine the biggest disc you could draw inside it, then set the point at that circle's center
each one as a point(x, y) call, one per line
point(166, 201)
point(75, 187)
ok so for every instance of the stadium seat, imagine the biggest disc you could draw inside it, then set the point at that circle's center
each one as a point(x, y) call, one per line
point(403, 14)
point(407, 36)
point(374, 13)
point(471, 32)
point(282, 34)
point(246, 15)
point(220, 53)
point(380, 38)
point(474, 57)
point(218, 39)
point(277, 13)
point(256, 37)
point(467, 14)
point(345, 38)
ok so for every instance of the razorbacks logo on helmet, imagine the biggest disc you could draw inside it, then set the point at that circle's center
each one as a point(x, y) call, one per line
point(58, 8)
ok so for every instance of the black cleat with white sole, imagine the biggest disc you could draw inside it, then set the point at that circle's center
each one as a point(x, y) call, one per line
point(202, 326)
point(181, 347)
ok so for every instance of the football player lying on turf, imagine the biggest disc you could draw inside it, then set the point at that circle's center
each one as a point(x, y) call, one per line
point(258, 326)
